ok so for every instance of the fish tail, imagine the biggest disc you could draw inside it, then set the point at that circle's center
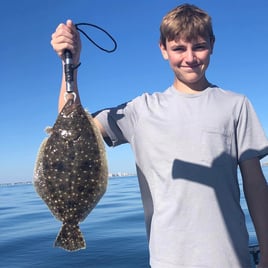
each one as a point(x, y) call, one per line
point(70, 238)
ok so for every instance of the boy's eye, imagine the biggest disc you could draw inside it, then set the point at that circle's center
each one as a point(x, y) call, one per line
point(200, 47)
point(179, 49)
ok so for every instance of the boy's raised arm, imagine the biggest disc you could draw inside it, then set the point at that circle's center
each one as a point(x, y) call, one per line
point(65, 37)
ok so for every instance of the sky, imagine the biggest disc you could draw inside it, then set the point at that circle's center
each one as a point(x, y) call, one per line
point(31, 71)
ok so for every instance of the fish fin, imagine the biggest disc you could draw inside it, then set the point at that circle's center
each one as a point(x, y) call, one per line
point(49, 130)
point(70, 238)
point(38, 167)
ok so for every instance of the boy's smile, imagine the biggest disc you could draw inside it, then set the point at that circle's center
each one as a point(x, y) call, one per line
point(189, 61)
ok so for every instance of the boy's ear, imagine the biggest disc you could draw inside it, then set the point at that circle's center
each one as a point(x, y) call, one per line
point(163, 51)
point(212, 42)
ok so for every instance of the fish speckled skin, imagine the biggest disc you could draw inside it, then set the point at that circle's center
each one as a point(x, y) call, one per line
point(71, 172)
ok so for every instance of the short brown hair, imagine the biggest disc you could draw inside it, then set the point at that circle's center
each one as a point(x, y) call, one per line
point(186, 21)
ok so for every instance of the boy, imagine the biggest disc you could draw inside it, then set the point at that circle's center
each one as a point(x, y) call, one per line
point(188, 142)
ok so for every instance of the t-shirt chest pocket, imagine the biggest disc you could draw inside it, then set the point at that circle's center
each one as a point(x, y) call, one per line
point(216, 147)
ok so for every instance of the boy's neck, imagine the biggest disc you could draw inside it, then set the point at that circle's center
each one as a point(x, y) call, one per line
point(191, 88)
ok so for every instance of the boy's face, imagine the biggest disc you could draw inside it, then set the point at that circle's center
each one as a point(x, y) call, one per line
point(189, 60)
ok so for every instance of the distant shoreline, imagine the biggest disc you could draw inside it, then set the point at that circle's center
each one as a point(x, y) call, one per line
point(116, 175)
point(30, 182)
point(15, 183)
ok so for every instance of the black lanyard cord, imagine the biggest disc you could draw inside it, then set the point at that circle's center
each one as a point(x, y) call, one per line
point(69, 67)
point(92, 41)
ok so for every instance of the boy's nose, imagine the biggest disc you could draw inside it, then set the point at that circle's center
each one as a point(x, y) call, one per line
point(190, 55)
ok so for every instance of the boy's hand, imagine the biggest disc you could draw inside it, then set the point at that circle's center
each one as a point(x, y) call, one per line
point(65, 37)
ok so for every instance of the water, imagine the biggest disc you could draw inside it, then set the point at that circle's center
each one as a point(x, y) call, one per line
point(114, 231)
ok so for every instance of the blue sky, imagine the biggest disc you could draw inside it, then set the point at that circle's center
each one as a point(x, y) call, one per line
point(31, 71)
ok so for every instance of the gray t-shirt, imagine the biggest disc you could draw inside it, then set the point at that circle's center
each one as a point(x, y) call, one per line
point(187, 149)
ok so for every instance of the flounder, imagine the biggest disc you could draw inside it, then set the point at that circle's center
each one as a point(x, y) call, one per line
point(71, 172)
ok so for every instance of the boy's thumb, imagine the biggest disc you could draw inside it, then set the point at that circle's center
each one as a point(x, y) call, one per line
point(69, 23)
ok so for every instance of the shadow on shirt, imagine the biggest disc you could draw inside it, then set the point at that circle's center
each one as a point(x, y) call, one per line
point(222, 176)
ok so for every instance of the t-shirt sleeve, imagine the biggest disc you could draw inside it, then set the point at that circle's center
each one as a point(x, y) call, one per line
point(118, 122)
point(251, 139)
